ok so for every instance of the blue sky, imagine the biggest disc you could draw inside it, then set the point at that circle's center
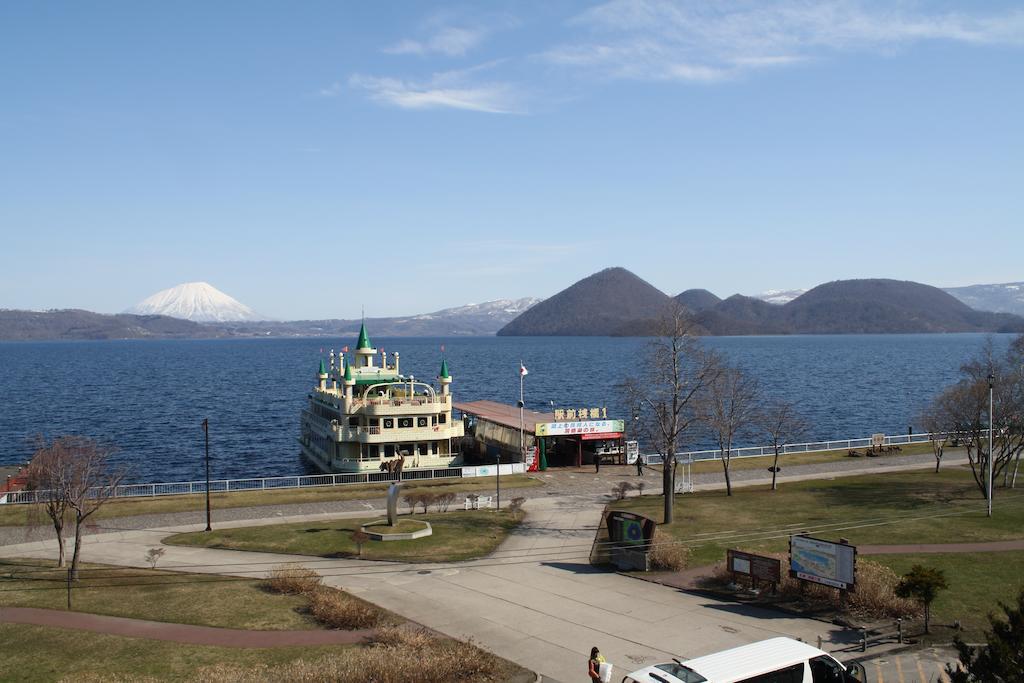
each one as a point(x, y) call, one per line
point(313, 158)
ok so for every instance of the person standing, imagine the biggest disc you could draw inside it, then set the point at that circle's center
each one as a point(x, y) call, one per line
point(594, 665)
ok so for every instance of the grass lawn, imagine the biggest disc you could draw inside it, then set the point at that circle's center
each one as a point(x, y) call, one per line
point(896, 508)
point(41, 653)
point(809, 458)
point(977, 581)
point(461, 535)
point(21, 515)
point(156, 595)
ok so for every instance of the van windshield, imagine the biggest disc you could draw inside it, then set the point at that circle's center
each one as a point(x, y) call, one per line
point(681, 672)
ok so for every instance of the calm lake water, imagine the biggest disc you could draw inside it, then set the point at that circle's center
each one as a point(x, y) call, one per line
point(149, 397)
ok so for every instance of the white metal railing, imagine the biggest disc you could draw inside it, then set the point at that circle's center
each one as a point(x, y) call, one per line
point(255, 484)
point(812, 446)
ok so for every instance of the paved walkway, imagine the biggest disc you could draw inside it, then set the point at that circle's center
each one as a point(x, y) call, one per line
point(178, 633)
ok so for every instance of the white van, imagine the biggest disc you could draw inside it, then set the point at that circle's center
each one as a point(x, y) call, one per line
point(778, 660)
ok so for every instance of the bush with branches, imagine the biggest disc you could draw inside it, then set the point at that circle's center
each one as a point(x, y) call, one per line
point(621, 489)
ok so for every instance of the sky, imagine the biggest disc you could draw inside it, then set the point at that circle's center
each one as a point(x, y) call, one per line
point(316, 159)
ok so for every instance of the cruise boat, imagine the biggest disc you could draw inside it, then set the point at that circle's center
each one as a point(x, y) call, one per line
point(365, 417)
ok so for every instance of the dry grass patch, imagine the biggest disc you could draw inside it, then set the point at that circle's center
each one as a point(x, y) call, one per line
point(292, 579)
point(667, 554)
point(336, 609)
point(395, 655)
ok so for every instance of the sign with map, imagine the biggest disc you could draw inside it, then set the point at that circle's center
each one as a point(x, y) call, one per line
point(627, 528)
point(824, 562)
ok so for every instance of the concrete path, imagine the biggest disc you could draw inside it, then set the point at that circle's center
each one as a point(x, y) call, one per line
point(178, 633)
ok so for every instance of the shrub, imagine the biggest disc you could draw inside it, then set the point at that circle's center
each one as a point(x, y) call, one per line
point(515, 506)
point(359, 537)
point(334, 608)
point(639, 486)
point(667, 554)
point(292, 579)
point(412, 500)
point(153, 556)
point(444, 500)
point(426, 500)
point(621, 489)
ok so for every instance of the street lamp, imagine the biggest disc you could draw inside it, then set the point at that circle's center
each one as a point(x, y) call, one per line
point(991, 379)
point(206, 434)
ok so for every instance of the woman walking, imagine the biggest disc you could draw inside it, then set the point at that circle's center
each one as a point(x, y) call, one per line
point(594, 665)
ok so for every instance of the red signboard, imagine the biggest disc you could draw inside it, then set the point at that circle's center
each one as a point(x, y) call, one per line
point(606, 435)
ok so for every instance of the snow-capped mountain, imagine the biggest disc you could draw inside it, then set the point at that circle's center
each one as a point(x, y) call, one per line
point(1003, 298)
point(779, 296)
point(196, 301)
point(506, 309)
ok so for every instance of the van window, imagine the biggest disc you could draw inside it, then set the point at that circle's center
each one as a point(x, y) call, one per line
point(681, 672)
point(791, 674)
point(826, 670)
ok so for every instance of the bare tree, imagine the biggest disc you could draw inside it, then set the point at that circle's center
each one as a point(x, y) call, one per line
point(962, 412)
point(728, 408)
point(663, 394)
point(935, 424)
point(91, 483)
point(782, 423)
point(48, 475)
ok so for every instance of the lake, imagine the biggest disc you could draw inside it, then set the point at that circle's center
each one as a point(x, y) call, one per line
point(148, 398)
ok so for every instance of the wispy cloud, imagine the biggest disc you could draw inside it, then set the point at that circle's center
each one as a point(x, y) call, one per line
point(698, 41)
point(452, 41)
point(333, 90)
point(447, 89)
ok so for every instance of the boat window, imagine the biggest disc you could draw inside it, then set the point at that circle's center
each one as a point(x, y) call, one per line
point(442, 418)
point(389, 449)
point(353, 421)
point(375, 422)
point(433, 420)
point(374, 452)
point(433, 447)
point(684, 674)
point(389, 422)
point(422, 448)
point(421, 422)
point(405, 422)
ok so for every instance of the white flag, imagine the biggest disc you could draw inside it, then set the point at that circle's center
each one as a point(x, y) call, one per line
point(522, 370)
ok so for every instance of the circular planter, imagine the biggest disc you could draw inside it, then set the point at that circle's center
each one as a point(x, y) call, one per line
point(380, 531)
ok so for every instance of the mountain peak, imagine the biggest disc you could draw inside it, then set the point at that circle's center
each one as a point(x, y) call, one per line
point(196, 301)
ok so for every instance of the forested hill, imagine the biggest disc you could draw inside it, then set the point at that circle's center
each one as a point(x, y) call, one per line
point(615, 302)
point(77, 324)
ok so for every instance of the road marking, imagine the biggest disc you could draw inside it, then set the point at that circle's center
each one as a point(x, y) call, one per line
point(943, 676)
point(899, 670)
point(878, 673)
point(920, 671)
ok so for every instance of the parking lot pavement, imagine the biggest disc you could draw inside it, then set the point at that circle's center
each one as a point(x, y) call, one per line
point(923, 666)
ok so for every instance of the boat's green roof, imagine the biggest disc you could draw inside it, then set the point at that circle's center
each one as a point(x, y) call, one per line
point(364, 339)
point(444, 369)
point(323, 370)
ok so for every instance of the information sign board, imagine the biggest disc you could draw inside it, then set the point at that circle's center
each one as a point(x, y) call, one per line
point(579, 427)
point(627, 528)
point(824, 562)
point(755, 566)
point(632, 452)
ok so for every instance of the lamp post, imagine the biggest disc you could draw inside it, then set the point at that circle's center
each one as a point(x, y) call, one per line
point(990, 444)
point(206, 435)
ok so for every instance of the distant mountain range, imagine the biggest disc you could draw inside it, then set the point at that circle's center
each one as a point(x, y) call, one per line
point(1004, 298)
point(78, 324)
point(478, 320)
point(616, 302)
point(612, 302)
point(472, 320)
